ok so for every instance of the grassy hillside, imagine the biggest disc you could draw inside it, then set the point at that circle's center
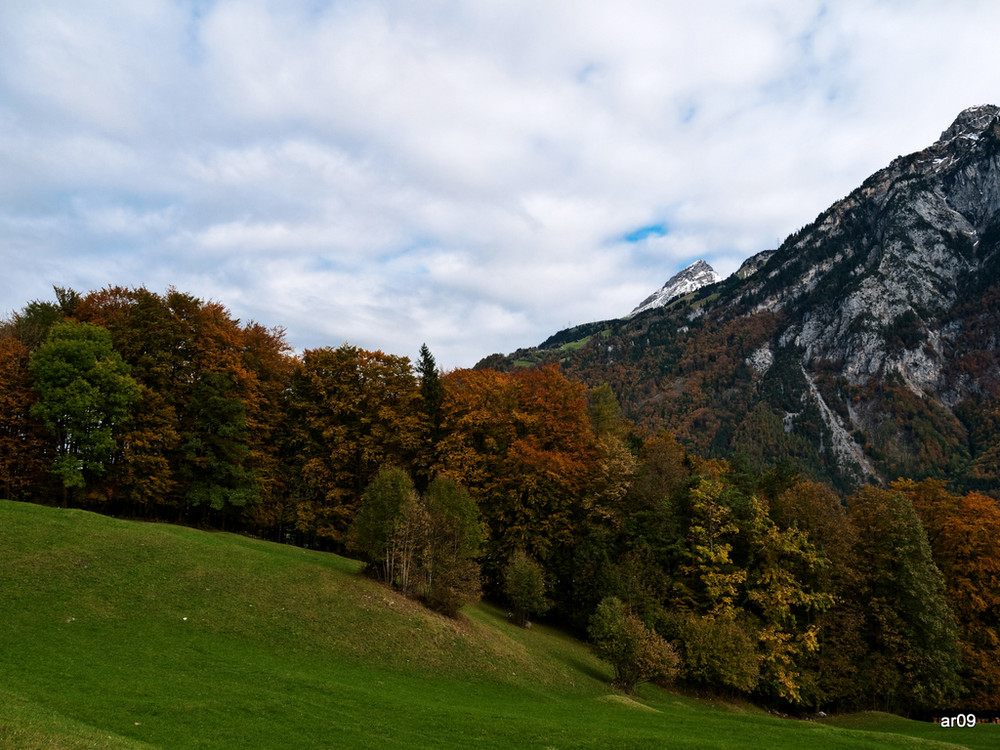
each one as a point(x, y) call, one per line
point(123, 635)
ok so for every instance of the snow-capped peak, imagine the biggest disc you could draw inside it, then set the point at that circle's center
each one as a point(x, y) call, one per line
point(694, 277)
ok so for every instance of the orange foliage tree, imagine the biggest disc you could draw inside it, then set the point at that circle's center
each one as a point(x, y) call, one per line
point(350, 413)
point(523, 445)
point(25, 446)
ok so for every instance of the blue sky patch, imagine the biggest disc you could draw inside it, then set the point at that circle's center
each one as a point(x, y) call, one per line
point(644, 233)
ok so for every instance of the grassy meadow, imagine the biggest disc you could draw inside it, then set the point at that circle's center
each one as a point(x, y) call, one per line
point(117, 634)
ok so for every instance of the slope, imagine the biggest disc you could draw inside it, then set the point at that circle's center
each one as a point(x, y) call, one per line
point(117, 634)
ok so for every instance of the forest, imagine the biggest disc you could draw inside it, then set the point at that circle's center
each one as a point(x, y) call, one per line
point(523, 486)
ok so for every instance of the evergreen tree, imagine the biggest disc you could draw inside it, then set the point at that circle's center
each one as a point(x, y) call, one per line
point(909, 628)
point(431, 390)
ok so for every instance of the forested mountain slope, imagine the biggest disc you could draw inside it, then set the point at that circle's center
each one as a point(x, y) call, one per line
point(864, 347)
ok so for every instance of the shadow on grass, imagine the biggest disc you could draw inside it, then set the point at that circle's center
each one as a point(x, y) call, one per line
point(589, 669)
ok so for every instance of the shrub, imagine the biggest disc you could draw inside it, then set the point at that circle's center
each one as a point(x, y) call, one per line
point(636, 653)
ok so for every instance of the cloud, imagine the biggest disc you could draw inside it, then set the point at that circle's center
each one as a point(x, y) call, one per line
point(472, 175)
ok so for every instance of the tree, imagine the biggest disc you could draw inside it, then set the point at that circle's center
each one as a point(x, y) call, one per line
point(203, 438)
point(431, 399)
point(713, 580)
point(215, 448)
point(605, 412)
point(431, 390)
point(455, 534)
point(350, 412)
point(830, 675)
point(24, 441)
point(85, 392)
point(909, 628)
point(390, 528)
point(636, 653)
point(718, 652)
point(783, 591)
point(523, 445)
point(524, 587)
point(963, 533)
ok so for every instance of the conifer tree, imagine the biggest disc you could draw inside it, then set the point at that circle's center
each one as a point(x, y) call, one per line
point(909, 628)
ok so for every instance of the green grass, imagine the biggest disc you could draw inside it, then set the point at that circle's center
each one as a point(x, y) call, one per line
point(572, 346)
point(116, 634)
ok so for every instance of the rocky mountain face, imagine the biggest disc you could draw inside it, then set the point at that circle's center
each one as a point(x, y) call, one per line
point(691, 279)
point(863, 349)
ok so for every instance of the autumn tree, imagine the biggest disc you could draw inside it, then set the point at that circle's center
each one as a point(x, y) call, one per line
point(719, 653)
point(830, 674)
point(523, 445)
point(785, 592)
point(350, 412)
point(84, 394)
point(664, 471)
point(712, 581)
point(24, 441)
point(203, 438)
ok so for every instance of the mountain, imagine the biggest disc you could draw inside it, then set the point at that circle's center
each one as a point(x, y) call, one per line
point(691, 279)
point(864, 348)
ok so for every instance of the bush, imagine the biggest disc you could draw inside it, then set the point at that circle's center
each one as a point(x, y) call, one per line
point(636, 653)
point(718, 652)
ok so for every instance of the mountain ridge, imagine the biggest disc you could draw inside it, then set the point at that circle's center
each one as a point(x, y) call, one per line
point(863, 348)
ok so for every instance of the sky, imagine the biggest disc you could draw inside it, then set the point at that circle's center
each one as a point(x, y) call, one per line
point(474, 175)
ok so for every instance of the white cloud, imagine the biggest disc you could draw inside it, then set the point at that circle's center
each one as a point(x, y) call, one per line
point(388, 173)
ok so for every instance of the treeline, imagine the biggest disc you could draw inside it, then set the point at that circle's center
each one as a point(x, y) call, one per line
point(524, 484)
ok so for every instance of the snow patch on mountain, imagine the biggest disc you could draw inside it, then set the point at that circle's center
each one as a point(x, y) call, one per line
point(692, 278)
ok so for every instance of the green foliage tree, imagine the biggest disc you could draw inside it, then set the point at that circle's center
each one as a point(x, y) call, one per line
point(387, 529)
point(963, 533)
point(422, 545)
point(455, 535)
point(431, 390)
point(636, 653)
point(524, 587)
point(84, 393)
point(215, 449)
point(430, 402)
point(909, 628)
